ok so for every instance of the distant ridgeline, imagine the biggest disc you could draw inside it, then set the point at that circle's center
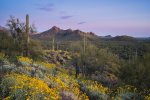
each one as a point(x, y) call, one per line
point(72, 40)
point(124, 46)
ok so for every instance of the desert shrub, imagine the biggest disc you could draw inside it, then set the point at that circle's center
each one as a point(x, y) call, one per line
point(57, 57)
point(3, 59)
point(147, 97)
point(6, 68)
point(2, 55)
point(106, 78)
point(126, 92)
point(6, 85)
point(45, 67)
point(36, 51)
point(19, 86)
point(136, 73)
point(12, 59)
point(24, 60)
point(63, 82)
point(68, 96)
point(5, 65)
point(94, 90)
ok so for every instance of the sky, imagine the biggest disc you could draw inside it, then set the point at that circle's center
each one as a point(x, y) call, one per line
point(103, 17)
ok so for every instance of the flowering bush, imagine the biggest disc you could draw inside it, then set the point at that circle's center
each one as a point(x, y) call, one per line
point(47, 65)
point(68, 96)
point(45, 81)
point(45, 86)
point(22, 86)
point(64, 84)
point(24, 60)
point(94, 90)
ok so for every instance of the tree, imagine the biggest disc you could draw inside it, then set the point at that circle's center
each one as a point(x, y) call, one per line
point(6, 43)
point(137, 72)
point(53, 42)
point(16, 29)
point(20, 33)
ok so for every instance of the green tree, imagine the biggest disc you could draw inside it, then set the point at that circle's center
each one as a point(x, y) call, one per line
point(6, 43)
point(137, 73)
point(20, 34)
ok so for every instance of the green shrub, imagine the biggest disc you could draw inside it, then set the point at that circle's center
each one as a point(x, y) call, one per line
point(5, 86)
point(94, 93)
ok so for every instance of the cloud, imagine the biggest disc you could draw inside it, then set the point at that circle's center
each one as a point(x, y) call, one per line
point(46, 9)
point(80, 23)
point(62, 12)
point(49, 7)
point(65, 17)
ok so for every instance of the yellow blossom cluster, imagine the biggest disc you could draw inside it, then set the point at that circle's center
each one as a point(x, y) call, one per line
point(95, 86)
point(63, 82)
point(47, 65)
point(33, 87)
point(24, 60)
point(73, 86)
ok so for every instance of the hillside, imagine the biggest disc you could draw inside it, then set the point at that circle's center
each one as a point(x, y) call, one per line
point(123, 38)
point(123, 46)
point(100, 71)
point(38, 80)
point(75, 50)
point(64, 35)
point(4, 30)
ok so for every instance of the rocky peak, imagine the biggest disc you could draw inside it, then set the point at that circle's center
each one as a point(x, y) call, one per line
point(77, 31)
point(91, 33)
point(108, 36)
point(69, 30)
point(56, 29)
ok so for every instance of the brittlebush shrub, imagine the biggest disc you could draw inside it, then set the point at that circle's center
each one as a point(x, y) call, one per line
point(23, 87)
point(66, 84)
point(24, 60)
point(94, 90)
point(5, 85)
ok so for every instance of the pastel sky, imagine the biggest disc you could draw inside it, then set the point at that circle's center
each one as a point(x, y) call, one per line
point(103, 17)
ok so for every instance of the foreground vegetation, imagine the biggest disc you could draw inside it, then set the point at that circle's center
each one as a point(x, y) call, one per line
point(29, 79)
point(83, 69)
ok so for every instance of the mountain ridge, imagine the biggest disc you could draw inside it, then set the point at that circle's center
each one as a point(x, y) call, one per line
point(67, 34)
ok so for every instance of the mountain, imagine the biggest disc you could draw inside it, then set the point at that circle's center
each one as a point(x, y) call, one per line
point(4, 30)
point(108, 36)
point(64, 35)
point(123, 38)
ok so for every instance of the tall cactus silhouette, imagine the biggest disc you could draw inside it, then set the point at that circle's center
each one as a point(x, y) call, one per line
point(84, 53)
point(27, 35)
point(53, 43)
point(84, 42)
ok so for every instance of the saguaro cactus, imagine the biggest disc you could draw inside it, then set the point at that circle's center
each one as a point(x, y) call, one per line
point(53, 43)
point(84, 54)
point(27, 35)
point(84, 42)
